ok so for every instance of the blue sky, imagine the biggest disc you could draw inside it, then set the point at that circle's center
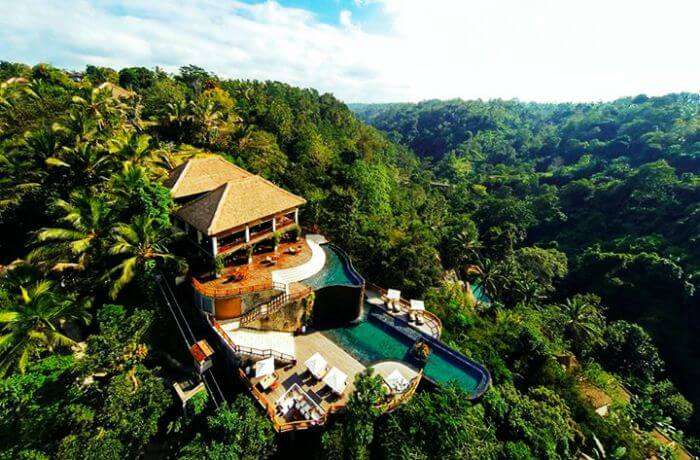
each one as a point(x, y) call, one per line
point(380, 50)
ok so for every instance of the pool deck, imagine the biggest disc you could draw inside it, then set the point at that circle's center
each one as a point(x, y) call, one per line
point(305, 346)
point(430, 327)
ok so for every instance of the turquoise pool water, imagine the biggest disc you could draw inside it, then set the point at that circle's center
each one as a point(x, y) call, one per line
point(479, 293)
point(335, 272)
point(370, 341)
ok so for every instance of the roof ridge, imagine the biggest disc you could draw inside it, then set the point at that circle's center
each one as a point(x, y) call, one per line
point(221, 200)
point(182, 174)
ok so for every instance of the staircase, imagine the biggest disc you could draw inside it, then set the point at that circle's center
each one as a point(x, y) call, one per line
point(272, 306)
point(281, 279)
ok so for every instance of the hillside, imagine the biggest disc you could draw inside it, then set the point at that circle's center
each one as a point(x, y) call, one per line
point(613, 185)
point(89, 351)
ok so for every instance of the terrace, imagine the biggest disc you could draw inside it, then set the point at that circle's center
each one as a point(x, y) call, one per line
point(296, 382)
point(241, 277)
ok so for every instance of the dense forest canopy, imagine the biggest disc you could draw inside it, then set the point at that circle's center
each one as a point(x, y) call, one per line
point(579, 224)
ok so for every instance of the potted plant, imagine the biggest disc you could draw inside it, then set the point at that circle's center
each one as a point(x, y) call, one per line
point(219, 264)
point(295, 232)
point(420, 351)
point(249, 253)
point(276, 238)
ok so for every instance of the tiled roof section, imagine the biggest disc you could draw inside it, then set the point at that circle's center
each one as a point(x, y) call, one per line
point(201, 351)
point(200, 175)
point(237, 203)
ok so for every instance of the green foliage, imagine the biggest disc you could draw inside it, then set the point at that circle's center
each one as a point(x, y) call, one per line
point(351, 438)
point(630, 351)
point(538, 204)
point(238, 431)
point(136, 78)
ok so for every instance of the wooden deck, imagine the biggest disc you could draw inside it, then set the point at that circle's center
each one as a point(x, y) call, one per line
point(305, 347)
point(258, 275)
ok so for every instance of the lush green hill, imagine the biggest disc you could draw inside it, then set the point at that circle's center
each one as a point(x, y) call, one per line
point(81, 205)
point(614, 185)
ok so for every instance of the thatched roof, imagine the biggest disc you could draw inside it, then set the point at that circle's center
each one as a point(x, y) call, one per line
point(236, 203)
point(200, 175)
point(116, 91)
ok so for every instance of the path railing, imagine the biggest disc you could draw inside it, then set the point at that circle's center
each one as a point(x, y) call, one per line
point(239, 349)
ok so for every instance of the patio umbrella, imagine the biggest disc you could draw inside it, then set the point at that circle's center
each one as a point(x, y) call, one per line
point(417, 305)
point(393, 296)
point(336, 379)
point(265, 367)
point(316, 365)
point(396, 381)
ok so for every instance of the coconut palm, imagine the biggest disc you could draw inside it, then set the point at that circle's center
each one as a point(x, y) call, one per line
point(101, 106)
point(137, 243)
point(19, 177)
point(491, 274)
point(31, 324)
point(582, 320)
point(465, 249)
point(134, 148)
point(87, 163)
point(86, 220)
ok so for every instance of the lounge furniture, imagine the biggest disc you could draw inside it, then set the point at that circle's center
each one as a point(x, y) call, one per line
point(417, 309)
point(396, 381)
point(268, 381)
point(317, 365)
point(393, 297)
point(336, 380)
point(265, 367)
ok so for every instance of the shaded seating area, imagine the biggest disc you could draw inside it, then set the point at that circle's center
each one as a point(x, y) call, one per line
point(396, 381)
point(336, 380)
point(393, 299)
point(296, 405)
point(317, 366)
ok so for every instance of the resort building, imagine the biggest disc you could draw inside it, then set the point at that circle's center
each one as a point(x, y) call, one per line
point(291, 312)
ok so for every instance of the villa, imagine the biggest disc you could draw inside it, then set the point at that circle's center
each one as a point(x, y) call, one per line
point(291, 312)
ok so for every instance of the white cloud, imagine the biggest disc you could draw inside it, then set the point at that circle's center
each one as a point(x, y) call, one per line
point(531, 49)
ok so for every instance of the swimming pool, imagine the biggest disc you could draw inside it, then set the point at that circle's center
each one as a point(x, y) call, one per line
point(479, 294)
point(371, 340)
point(337, 271)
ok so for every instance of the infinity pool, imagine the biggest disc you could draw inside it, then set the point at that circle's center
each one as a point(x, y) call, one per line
point(337, 271)
point(370, 341)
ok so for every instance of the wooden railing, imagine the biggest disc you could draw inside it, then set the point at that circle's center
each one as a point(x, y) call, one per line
point(403, 397)
point(250, 350)
point(221, 292)
point(432, 321)
point(271, 411)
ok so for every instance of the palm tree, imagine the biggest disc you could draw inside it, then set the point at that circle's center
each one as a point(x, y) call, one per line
point(138, 242)
point(465, 249)
point(582, 321)
point(87, 218)
point(134, 148)
point(491, 276)
point(31, 324)
point(87, 163)
point(101, 106)
point(19, 177)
